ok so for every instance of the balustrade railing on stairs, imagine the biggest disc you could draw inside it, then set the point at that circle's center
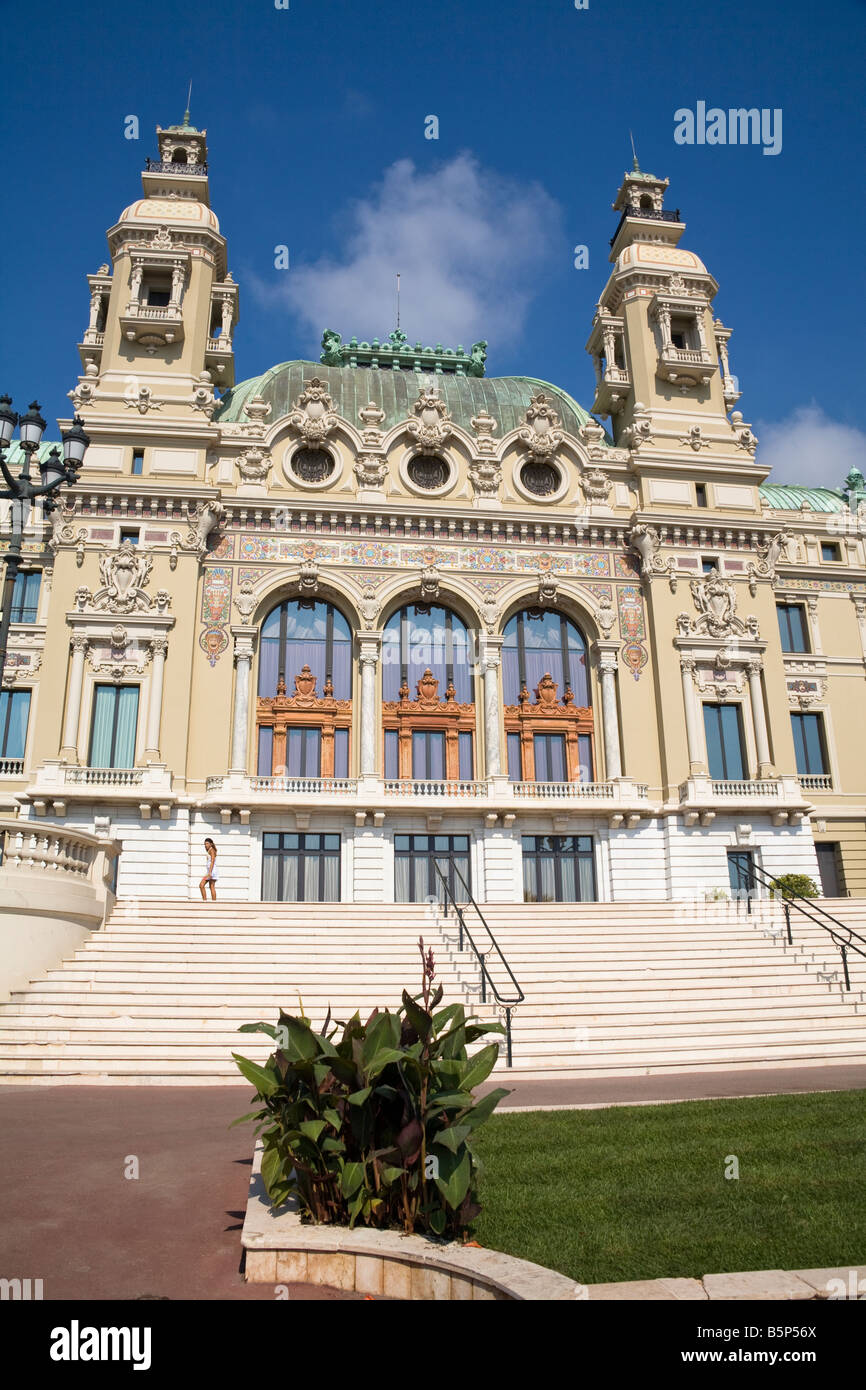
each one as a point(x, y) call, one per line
point(505, 1001)
point(844, 938)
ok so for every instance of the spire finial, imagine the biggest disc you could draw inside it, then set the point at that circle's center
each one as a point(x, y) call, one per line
point(636, 166)
point(188, 104)
point(398, 299)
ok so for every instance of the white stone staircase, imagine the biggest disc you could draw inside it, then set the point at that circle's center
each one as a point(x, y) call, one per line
point(612, 989)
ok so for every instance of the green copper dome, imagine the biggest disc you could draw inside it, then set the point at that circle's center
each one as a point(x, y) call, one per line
point(506, 398)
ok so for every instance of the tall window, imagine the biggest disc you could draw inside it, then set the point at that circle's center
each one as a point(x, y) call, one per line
point(305, 632)
point(810, 744)
point(792, 627)
point(558, 869)
point(300, 868)
point(14, 715)
point(724, 730)
point(25, 597)
point(424, 635)
point(538, 641)
point(115, 718)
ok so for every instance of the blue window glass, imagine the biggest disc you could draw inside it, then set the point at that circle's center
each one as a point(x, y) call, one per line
point(392, 754)
point(540, 641)
point(14, 715)
point(25, 596)
point(115, 720)
point(792, 627)
point(724, 732)
point(428, 754)
point(304, 752)
point(424, 635)
point(515, 762)
point(809, 745)
point(464, 750)
point(341, 752)
point(266, 752)
point(549, 757)
point(305, 633)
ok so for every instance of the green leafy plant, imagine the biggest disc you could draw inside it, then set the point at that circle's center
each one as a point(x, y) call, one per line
point(787, 885)
point(371, 1122)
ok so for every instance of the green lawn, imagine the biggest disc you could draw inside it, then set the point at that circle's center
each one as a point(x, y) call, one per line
point(640, 1192)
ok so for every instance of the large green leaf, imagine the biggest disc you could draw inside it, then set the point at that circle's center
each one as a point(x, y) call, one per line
point(272, 1169)
point(421, 1021)
point(259, 1028)
point(263, 1078)
point(351, 1178)
point(311, 1129)
point(485, 1107)
point(455, 1174)
point(452, 1136)
point(300, 1040)
point(480, 1066)
point(360, 1097)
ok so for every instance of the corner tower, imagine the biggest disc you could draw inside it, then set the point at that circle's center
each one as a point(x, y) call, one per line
point(163, 311)
point(660, 357)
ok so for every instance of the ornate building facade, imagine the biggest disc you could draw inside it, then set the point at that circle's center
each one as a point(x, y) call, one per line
point(361, 617)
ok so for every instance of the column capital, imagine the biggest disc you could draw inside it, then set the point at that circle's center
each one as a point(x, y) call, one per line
point(607, 650)
point(490, 649)
point(245, 642)
point(369, 648)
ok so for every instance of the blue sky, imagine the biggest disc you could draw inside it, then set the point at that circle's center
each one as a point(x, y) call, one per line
point(316, 127)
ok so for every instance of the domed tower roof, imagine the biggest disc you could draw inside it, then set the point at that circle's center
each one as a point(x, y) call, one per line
point(181, 212)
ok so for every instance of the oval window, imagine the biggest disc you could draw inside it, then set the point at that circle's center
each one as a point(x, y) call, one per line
point(542, 479)
point(312, 465)
point(428, 473)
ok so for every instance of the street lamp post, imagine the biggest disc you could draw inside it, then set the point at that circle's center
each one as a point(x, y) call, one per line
point(21, 490)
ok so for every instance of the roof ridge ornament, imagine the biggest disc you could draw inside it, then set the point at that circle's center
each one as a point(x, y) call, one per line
point(396, 353)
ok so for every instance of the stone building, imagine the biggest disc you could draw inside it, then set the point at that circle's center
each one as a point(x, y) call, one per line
point(359, 618)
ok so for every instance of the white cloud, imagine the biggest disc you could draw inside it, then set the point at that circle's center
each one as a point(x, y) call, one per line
point(811, 448)
point(469, 244)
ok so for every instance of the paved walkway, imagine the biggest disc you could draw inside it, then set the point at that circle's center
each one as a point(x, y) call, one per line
point(68, 1215)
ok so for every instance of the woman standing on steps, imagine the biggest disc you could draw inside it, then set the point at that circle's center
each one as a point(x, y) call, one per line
point(211, 871)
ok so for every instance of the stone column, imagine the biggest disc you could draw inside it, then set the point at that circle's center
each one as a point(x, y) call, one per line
point(607, 653)
point(158, 648)
point(814, 629)
point(694, 732)
point(370, 647)
point(69, 751)
point(244, 638)
point(491, 656)
point(759, 720)
point(860, 610)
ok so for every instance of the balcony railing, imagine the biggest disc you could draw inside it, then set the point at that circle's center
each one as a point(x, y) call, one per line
point(299, 786)
point(219, 344)
point(592, 791)
point(11, 767)
point(434, 787)
point(816, 782)
point(650, 213)
point(747, 788)
point(163, 166)
point(153, 311)
point(105, 776)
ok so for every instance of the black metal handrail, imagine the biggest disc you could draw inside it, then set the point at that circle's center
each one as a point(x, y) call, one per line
point(631, 211)
point(808, 907)
point(481, 956)
point(167, 166)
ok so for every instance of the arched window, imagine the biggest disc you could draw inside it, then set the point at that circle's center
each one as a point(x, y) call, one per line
point(426, 636)
point(304, 632)
point(538, 642)
point(427, 688)
point(304, 709)
point(179, 156)
point(546, 693)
